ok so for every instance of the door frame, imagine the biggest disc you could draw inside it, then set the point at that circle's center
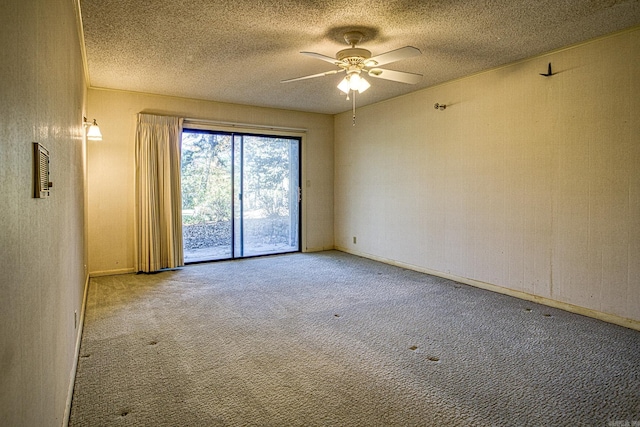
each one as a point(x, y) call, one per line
point(292, 133)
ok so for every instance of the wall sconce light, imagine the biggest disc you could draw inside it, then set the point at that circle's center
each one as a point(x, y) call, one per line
point(93, 134)
point(439, 106)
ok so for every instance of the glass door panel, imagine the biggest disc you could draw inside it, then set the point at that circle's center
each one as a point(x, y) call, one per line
point(269, 195)
point(206, 195)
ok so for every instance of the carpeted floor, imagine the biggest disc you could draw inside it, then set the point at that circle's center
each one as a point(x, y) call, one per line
point(329, 339)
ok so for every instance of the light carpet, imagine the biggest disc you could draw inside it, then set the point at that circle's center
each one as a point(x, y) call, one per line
point(330, 339)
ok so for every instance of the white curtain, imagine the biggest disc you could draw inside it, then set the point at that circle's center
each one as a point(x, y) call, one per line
point(158, 193)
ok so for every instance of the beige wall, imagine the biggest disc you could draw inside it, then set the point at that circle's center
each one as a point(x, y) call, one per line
point(528, 183)
point(111, 168)
point(41, 241)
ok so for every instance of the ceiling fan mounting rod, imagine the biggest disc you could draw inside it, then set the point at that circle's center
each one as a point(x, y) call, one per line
point(353, 38)
point(353, 57)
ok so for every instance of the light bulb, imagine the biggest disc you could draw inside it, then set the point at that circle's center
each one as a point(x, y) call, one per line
point(354, 81)
point(344, 85)
point(94, 134)
point(363, 85)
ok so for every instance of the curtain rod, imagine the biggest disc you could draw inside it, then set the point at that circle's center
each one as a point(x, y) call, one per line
point(242, 125)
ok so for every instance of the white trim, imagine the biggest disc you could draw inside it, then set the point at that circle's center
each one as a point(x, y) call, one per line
point(320, 249)
point(83, 48)
point(74, 368)
point(112, 272)
point(240, 127)
point(606, 317)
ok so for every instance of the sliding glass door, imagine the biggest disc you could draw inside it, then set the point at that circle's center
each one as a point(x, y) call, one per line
point(240, 195)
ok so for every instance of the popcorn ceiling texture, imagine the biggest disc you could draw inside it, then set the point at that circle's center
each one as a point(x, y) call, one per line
point(239, 51)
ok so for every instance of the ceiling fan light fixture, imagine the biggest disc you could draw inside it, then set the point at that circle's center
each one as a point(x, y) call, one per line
point(354, 82)
point(355, 60)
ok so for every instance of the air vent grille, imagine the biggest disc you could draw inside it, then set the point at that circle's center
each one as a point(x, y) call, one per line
point(40, 171)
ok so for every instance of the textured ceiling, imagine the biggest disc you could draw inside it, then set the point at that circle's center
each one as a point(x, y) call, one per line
point(238, 51)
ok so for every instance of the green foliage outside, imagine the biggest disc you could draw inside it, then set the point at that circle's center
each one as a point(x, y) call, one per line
point(206, 177)
point(206, 182)
point(266, 183)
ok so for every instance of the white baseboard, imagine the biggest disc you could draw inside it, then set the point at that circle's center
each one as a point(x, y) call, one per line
point(111, 272)
point(606, 317)
point(74, 368)
point(319, 249)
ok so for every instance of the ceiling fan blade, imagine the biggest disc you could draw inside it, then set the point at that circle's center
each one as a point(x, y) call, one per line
point(396, 76)
point(322, 57)
point(392, 56)
point(328, 73)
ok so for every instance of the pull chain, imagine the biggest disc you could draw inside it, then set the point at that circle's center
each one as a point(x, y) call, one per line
point(354, 107)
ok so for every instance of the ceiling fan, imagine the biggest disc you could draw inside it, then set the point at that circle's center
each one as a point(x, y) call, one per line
point(356, 61)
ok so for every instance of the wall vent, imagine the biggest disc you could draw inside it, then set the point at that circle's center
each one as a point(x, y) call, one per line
point(41, 182)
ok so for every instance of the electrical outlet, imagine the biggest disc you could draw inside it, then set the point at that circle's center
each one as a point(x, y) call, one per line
point(354, 240)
